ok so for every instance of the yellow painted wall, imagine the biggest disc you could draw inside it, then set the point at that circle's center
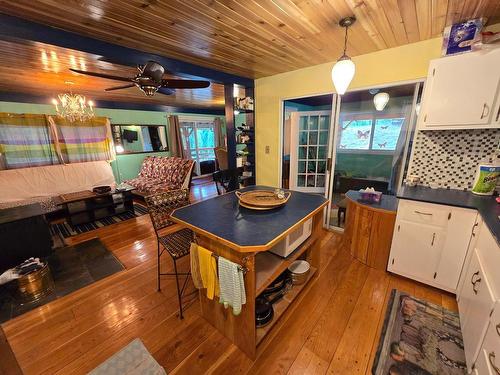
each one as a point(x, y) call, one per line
point(408, 62)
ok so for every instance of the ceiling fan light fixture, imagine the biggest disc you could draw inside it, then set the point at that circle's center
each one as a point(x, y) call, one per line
point(344, 69)
point(380, 100)
point(149, 90)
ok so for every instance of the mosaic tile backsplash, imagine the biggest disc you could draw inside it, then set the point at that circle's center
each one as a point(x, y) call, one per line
point(450, 157)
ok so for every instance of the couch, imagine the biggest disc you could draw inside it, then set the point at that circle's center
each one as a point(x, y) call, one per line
point(160, 173)
point(35, 183)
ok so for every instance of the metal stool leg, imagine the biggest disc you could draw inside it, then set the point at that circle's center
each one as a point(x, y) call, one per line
point(158, 267)
point(178, 290)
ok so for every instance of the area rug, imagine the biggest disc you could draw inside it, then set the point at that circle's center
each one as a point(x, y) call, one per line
point(72, 268)
point(133, 359)
point(66, 230)
point(419, 337)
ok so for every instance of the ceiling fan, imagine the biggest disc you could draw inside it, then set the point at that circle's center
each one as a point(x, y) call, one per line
point(149, 79)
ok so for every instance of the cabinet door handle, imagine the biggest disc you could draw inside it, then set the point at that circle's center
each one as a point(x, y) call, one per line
point(423, 213)
point(491, 358)
point(474, 229)
point(433, 238)
point(498, 113)
point(475, 281)
point(498, 329)
point(486, 111)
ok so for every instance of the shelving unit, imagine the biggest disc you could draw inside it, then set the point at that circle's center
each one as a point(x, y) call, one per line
point(236, 118)
point(269, 266)
point(281, 306)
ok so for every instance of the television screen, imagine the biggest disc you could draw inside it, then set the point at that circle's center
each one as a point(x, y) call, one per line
point(130, 135)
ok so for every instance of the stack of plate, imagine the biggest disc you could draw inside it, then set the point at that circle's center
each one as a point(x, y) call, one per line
point(261, 199)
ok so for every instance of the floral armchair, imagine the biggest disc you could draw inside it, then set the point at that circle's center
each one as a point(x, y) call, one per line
point(159, 174)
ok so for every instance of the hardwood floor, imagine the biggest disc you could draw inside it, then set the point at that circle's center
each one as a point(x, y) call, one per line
point(333, 328)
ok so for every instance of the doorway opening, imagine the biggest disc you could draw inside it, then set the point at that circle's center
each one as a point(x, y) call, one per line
point(307, 124)
point(374, 128)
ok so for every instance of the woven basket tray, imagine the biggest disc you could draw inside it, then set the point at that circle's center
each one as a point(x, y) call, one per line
point(261, 199)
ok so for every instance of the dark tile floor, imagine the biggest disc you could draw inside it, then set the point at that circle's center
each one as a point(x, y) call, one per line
point(72, 268)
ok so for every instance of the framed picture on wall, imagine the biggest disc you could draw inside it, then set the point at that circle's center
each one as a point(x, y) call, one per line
point(136, 139)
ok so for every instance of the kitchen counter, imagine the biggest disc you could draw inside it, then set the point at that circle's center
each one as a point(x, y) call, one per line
point(487, 207)
point(243, 236)
point(387, 202)
point(245, 230)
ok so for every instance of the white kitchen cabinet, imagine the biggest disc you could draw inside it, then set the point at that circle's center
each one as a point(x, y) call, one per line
point(430, 243)
point(462, 92)
point(488, 360)
point(475, 305)
point(417, 249)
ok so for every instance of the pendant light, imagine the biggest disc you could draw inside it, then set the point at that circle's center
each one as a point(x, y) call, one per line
point(380, 100)
point(344, 69)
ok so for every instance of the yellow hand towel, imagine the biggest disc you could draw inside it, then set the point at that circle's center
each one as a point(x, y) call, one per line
point(195, 266)
point(208, 271)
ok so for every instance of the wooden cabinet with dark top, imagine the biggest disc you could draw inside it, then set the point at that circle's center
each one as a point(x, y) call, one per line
point(369, 229)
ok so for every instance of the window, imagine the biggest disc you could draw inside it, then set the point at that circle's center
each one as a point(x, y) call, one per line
point(370, 132)
point(198, 140)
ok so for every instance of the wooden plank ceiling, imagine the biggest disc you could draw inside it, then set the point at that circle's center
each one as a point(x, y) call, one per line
point(43, 70)
point(253, 38)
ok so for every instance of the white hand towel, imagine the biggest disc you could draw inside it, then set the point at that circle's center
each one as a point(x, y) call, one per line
point(232, 285)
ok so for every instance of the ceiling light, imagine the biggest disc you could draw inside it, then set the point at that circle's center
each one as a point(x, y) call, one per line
point(344, 69)
point(380, 100)
point(73, 107)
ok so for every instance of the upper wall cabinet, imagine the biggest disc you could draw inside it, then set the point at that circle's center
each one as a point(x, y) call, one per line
point(462, 92)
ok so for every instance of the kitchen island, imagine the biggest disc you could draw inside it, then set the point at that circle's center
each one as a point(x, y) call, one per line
point(244, 236)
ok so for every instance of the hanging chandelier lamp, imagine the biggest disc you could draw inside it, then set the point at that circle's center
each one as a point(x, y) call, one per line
point(73, 107)
point(344, 69)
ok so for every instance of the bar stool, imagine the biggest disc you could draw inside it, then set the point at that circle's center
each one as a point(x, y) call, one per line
point(177, 244)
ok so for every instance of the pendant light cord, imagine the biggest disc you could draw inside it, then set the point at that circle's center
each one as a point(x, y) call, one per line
point(345, 40)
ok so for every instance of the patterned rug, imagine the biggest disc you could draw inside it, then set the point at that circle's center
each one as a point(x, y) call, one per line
point(419, 338)
point(66, 230)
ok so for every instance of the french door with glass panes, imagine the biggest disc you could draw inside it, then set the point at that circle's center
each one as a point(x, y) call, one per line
point(309, 150)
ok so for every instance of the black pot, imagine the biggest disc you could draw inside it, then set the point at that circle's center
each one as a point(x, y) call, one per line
point(264, 312)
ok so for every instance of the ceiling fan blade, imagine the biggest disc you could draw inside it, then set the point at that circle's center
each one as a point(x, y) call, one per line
point(184, 84)
point(120, 87)
point(165, 91)
point(101, 75)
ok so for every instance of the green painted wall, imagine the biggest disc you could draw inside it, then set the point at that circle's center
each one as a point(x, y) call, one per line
point(127, 165)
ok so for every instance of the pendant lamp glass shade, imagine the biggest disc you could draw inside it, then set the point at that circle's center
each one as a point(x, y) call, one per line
point(344, 69)
point(342, 74)
point(380, 100)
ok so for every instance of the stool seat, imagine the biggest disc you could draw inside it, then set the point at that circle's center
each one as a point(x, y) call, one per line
point(177, 244)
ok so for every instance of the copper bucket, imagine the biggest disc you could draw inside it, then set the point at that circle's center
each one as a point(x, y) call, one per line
point(36, 285)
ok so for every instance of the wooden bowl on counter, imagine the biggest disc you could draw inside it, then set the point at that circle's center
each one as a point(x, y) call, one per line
point(261, 199)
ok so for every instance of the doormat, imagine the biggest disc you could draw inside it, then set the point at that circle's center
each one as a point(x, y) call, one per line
point(419, 337)
point(65, 230)
point(72, 268)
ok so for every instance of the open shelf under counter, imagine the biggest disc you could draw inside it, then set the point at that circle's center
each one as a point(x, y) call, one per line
point(280, 307)
point(269, 266)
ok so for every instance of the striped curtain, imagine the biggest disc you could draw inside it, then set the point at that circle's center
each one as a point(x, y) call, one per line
point(26, 140)
point(89, 140)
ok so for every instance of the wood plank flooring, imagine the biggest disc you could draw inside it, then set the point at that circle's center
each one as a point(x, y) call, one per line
point(332, 328)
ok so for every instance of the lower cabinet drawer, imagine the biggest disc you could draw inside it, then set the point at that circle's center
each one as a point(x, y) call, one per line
point(423, 213)
point(488, 361)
